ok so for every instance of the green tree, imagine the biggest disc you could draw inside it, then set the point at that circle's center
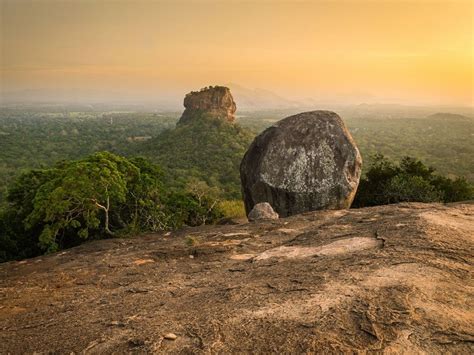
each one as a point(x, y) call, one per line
point(406, 188)
point(100, 196)
point(205, 148)
point(207, 199)
point(458, 189)
point(144, 207)
point(15, 240)
point(386, 182)
point(77, 196)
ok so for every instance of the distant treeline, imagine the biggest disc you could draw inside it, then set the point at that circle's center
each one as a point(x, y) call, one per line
point(34, 139)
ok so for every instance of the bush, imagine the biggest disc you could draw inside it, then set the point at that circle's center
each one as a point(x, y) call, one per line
point(232, 208)
point(410, 181)
point(406, 188)
point(198, 204)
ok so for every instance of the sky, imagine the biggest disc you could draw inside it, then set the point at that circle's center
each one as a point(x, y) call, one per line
point(412, 52)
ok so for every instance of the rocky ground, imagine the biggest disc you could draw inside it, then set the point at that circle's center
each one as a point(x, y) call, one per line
point(393, 279)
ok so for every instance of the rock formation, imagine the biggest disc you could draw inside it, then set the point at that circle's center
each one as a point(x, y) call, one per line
point(303, 163)
point(389, 279)
point(262, 210)
point(212, 101)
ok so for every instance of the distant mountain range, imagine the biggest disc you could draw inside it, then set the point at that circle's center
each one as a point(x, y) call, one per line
point(445, 116)
point(259, 99)
point(247, 99)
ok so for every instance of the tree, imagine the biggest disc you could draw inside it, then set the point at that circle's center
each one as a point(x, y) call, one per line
point(458, 189)
point(386, 182)
point(144, 207)
point(406, 188)
point(15, 240)
point(207, 199)
point(101, 196)
point(79, 191)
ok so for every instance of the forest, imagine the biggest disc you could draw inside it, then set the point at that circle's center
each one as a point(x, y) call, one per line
point(67, 176)
point(33, 137)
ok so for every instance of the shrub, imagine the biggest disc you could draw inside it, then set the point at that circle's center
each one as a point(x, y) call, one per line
point(232, 208)
point(406, 188)
point(410, 181)
point(198, 204)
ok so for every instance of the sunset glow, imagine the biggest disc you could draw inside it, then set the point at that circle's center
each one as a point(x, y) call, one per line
point(383, 51)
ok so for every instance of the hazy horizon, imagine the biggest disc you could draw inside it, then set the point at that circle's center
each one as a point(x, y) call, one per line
point(338, 52)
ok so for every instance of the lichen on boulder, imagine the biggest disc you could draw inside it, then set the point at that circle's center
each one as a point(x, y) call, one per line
point(305, 162)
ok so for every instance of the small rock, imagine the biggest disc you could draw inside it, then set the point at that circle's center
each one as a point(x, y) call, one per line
point(170, 336)
point(262, 210)
point(143, 261)
point(235, 234)
point(242, 257)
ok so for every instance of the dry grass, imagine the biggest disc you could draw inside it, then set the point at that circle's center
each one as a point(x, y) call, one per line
point(233, 208)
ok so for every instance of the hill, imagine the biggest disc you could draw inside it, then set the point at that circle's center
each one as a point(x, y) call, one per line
point(387, 279)
point(260, 99)
point(445, 116)
point(206, 148)
point(206, 143)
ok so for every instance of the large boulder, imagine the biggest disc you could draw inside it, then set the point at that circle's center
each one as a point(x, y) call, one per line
point(212, 101)
point(303, 163)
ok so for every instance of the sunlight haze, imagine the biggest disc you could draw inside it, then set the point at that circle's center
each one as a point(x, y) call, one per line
point(411, 52)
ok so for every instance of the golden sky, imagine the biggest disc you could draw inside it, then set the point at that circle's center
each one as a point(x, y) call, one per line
point(388, 51)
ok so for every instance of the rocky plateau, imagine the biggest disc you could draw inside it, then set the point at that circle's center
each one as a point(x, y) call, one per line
point(391, 279)
point(213, 101)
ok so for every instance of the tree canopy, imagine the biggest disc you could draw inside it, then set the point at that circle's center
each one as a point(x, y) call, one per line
point(409, 181)
point(100, 196)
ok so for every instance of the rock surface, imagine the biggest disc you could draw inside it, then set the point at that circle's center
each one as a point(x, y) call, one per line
point(303, 163)
point(392, 279)
point(262, 210)
point(213, 101)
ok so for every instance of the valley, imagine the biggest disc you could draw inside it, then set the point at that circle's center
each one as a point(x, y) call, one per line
point(31, 137)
